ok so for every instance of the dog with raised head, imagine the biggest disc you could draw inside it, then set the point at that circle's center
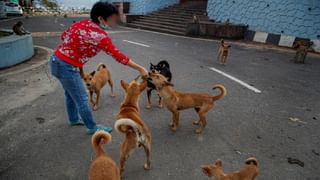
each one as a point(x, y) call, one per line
point(129, 122)
point(163, 68)
point(223, 52)
point(176, 101)
point(103, 167)
point(249, 172)
point(95, 81)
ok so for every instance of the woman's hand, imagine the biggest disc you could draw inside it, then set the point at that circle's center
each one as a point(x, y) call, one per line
point(143, 72)
point(81, 72)
point(139, 68)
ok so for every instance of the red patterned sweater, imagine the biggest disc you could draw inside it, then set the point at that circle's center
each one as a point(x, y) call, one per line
point(83, 40)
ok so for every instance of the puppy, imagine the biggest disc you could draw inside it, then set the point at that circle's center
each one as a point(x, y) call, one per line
point(103, 167)
point(176, 101)
point(223, 52)
point(249, 172)
point(163, 68)
point(95, 81)
point(136, 133)
point(302, 48)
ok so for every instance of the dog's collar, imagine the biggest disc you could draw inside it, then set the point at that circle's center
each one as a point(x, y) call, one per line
point(162, 86)
point(129, 106)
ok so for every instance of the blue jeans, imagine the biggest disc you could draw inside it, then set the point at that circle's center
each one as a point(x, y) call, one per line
point(76, 98)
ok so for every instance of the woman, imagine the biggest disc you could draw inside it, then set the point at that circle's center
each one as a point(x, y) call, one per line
point(83, 40)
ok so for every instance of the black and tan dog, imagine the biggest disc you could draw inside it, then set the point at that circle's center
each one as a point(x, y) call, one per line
point(95, 81)
point(129, 122)
point(176, 101)
point(249, 172)
point(223, 52)
point(103, 167)
point(163, 68)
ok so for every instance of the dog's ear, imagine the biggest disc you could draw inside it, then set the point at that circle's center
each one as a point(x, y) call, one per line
point(206, 170)
point(92, 73)
point(143, 85)
point(222, 41)
point(124, 85)
point(218, 163)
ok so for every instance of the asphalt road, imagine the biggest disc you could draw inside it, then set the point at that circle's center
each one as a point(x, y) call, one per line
point(37, 143)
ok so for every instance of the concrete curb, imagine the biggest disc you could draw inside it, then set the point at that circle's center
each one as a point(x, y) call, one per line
point(279, 39)
point(42, 62)
point(13, 42)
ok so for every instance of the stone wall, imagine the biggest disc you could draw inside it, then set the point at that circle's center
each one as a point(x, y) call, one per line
point(146, 6)
point(298, 18)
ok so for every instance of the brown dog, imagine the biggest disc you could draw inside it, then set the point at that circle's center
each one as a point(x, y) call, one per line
point(176, 101)
point(129, 123)
point(302, 48)
point(95, 81)
point(103, 167)
point(223, 52)
point(249, 172)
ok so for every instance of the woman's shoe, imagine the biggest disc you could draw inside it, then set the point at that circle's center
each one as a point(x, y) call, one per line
point(99, 128)
point(76, 123)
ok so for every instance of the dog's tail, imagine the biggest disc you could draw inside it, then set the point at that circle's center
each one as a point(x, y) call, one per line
point(223, 92)
point(252, 161)
point(125, 125)
point(99, 138)
point(101, 66)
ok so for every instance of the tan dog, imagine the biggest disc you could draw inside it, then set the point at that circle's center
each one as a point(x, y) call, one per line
point(95, 81)
point(103, 167)
point(129, 123)
point(249, 172)
point(223, 52)
point(176, 101)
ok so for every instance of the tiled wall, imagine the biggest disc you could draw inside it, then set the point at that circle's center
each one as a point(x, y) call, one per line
point(298, 18)
point(146, 6)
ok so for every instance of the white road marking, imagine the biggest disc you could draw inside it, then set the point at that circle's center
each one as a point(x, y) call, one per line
point(236, 80)
point(136, 43)
point(247, 45)
point(62, 25)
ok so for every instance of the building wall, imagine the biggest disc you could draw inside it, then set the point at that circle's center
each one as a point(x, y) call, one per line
point(298, 18)
point(146, 6)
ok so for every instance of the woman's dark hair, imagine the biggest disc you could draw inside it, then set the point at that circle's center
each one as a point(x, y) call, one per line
point(103, 9)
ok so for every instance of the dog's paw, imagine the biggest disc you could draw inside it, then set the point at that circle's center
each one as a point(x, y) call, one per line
point(148, 106)
point(198, 131)
point(173, 128)
point(113, 95)
point(195, 122)
point(160, 106)
point(95, 108)
point(146, 166)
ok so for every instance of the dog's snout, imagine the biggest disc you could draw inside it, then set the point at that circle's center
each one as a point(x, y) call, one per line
point(88, 84)
point(149, 73)
point(153, 71)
